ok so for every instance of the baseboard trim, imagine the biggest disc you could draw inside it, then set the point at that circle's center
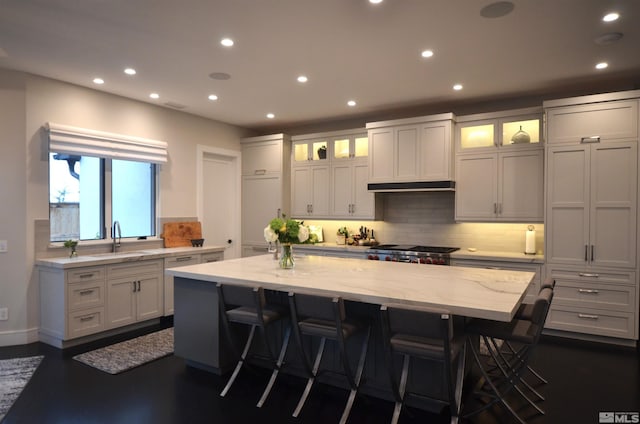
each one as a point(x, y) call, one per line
point(18, 337)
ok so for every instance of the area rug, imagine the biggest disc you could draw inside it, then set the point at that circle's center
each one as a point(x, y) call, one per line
point(129, 354)
point(14, 375)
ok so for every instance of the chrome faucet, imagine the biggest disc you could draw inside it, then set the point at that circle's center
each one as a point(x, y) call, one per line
point(116, 234)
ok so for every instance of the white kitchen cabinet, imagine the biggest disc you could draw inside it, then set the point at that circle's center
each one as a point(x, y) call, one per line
point(134, 292)
point(600, 302)
point(534, 288)
point(592, 204)
point(310, 191)
point(591, 230)
point(183, 260)
point(265, 184)
point(72, 303)
point(349, 195)
point(411, 150)
point(504, 186)
point(305, 151)
point(496, 179)
point(607, 120)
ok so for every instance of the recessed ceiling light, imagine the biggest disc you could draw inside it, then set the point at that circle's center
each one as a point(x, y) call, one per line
point(227, 42)
point(375, 1)
point(302, 78)
point(427, 53)
point(213, 97)
point(610, 17)
point(457, 87)
point(602, 65)
point(497, 9)
point(270, 115)
point(98, 81)
point(154, 95)
point(130, 71)
point(351, 103)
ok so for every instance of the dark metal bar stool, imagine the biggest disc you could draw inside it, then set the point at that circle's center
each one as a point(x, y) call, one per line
point(427, 334)
point(526, 334)
point(247, 305)
point(325, 317)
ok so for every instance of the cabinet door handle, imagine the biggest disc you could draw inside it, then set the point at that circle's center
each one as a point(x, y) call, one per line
point(85, 292)
point(586, 274)
point(593, 139)
point(279, 213)
point(86, 318)
point(495, 208)
point(588, 316)
point(89, 275)
point(588, 291)
point(592, 253)
point(139, 288)
point(260, 172)
point(134, 286)
point(586, 253)
point(310, 208)
point(183, 258)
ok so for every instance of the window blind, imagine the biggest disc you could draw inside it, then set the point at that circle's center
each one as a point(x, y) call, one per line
point(85, 142)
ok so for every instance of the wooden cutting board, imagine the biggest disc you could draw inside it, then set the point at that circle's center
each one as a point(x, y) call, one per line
point(179, 234)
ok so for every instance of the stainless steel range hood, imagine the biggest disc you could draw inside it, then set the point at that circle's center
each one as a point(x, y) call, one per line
point(412, 186)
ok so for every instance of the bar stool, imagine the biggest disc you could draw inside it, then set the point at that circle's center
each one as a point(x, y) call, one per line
point(526, 333)
point(525, 311)
point(325, 317)
point(427, 334)
point(247, 305)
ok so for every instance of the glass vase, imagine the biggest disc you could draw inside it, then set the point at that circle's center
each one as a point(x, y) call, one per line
point(73, 253)
point(286, 257)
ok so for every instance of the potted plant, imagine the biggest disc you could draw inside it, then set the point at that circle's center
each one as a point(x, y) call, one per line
point(341, 235)
point(71, 244)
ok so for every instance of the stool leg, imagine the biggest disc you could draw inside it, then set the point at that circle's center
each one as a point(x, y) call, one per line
point(240, 362)
point(274, 374)
point(311, 380)
point(457, 405)
point(358, 377)
point(401, 389)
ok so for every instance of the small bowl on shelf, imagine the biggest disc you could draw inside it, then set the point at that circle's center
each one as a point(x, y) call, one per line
point(197, 242)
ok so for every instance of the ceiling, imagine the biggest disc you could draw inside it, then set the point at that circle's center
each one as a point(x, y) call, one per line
point(348, 49)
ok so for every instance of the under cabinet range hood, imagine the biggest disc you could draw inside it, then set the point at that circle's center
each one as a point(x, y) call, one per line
point(412, 186)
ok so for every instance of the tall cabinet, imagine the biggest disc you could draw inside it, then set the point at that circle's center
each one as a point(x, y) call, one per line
point(265, 187)
point(591, 231)
point(500, 166)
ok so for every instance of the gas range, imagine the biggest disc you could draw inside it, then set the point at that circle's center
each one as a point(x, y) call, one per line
point(434, 255)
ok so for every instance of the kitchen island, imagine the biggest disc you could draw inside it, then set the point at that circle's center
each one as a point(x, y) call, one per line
point(465, 292)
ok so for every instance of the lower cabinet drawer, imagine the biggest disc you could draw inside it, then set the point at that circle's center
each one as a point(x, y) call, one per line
point(591, 321)
point(83, 323)
point(85, 295)
point(599, 296)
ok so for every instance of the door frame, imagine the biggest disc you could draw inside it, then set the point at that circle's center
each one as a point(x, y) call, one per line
point(235, 157)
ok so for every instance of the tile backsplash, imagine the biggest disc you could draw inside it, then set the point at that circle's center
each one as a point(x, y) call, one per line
point(427, 218)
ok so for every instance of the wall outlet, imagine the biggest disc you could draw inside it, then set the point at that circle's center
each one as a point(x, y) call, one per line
point(3, 246)
point(4, 314)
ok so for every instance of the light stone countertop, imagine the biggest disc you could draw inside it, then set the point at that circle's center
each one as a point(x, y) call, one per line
point(488, 255)
point(471, 292)
point(123, 256)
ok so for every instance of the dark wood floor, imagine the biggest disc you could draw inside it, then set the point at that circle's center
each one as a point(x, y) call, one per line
point(584, 379)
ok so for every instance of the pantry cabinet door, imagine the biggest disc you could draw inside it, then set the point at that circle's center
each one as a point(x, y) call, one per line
point(521, 188)
point(614, 176)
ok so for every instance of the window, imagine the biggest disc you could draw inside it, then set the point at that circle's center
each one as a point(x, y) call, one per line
point(86, 194)
point(96, 178)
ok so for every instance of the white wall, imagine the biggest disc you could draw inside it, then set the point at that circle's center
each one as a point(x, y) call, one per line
point(28, 102)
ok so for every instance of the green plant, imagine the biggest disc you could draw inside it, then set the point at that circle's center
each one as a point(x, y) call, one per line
point(286, 231)
point(71, 243)
point(342, 231)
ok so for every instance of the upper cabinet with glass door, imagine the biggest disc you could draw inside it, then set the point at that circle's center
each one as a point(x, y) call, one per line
point(354, 146)
point(307, 151)
point(515, 129)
